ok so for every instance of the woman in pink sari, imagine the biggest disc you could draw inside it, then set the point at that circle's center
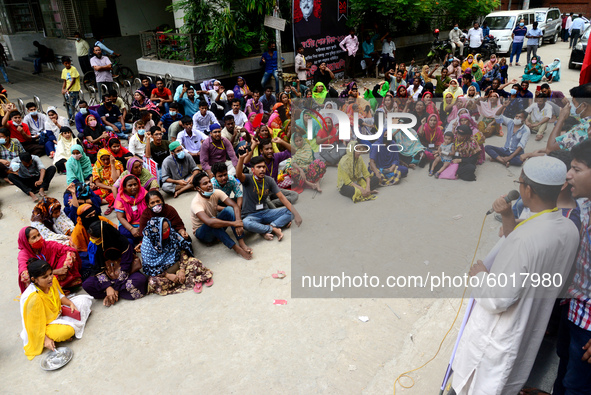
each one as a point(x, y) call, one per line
point(129, 206)
point(431, 135)
point(64, 260)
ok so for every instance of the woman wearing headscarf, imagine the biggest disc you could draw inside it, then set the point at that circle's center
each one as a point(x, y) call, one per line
point(384, 162)
point(129, 206)
point(115, 269)
point(87, 214)
point(136, 167)
point(467, 153)
point(430, 106)
point(478, 59)
point(63, 148)
point(64, 260)
point(78, 166)
point(381, 90)
point(533, 71)
point(425, 75)
point(77, 194)
point(305, 171)
point(105, 172)
point(319, 93)
point(431, 135)
point(157, 207)
point(118, 151)
point(488, 110)
point(41, 306)
point(467, 62)
point(329, 136)
point(552, 71)
point(49, 212)
point(94, 137)
point(54, 121)
point(278, 117)
point(241, 91)
point(448, 107)
point(488, 66)
point(168, 260)
point(142, 103)
point(465, 119)
point(302, 123)
point(354, 180)
point(495, 72)
point(454, 89)
point(476, 72)
point(345, 94)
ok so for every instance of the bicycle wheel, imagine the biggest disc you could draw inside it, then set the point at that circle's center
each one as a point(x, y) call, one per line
point(125, 73)
point(89, 79)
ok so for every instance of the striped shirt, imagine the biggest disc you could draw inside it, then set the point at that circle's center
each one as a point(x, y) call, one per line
point(579, 311)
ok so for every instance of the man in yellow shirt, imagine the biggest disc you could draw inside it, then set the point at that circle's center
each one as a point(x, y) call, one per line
point(71, 86)
point(82, 50)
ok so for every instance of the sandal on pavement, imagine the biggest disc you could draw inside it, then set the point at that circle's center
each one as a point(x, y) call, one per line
point(198, 288)
point(209, 282)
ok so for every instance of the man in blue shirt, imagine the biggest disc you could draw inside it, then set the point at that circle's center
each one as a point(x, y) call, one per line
point(533, 40)
point(370, 55)
point(485, 29)
point(575, 30)
point(189, 102)
point(517, 135)
point(82, 114)
point(171, 116)
point(518, 37)
point(269, 61)
point(113, 119)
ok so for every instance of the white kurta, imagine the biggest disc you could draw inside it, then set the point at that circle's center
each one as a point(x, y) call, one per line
point(507, 325)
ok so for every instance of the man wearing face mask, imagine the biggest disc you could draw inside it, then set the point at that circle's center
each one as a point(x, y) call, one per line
point(517, 136)
point(533, 40)
point(539, 114)
point(580, 110)
point(455, 36)
point(113, 118)
point(82, 114)
point(82, 49)
point(178, 170)
point(518, 37)
point(171, 116)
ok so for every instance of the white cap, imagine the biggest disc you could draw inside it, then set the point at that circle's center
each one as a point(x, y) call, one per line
point(229, 91)
point(545, 170)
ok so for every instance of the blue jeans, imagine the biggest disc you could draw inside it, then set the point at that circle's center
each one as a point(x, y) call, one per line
point(71, 104)
point(495, 152)
point(3, 70)
point(37, 65)
point(120, 134)
point(574, 375)
point(263, 221)
point(208, 234)
point(267, 77)
point(516, 50)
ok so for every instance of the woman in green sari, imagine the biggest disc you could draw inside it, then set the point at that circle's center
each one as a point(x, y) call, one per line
point(319, 93)
point(354, 180)
point(477, 72)
point(534, 71)
point(305, 171)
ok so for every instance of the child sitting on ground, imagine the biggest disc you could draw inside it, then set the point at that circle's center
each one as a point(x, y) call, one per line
point(444, 154)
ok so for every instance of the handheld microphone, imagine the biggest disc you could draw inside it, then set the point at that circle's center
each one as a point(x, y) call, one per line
point(512, 195)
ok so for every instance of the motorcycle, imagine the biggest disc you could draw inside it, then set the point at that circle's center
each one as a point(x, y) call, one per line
point(440, 49)
point(489, 46)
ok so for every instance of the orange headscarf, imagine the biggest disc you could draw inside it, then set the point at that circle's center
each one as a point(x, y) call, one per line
point(79, 236)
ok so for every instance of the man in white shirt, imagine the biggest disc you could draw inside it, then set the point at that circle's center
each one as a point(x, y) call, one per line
point(388, 60)
point(239, 115)
point(415, 89)
point(475, 38)
point(575, 30)
point(203, 119)
point(350, 45)
point(300, 65)
point(506, 326)
point(217, 94)
point(540, 113)
point(455, 36)
point(191, 139)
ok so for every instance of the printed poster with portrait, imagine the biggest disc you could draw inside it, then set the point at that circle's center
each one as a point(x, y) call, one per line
point(319, 26)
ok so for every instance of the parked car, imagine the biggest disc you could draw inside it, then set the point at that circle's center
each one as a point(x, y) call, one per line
point(577, 55)
point(502, 24)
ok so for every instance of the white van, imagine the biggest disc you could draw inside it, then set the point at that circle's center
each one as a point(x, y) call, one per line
point(502, 23)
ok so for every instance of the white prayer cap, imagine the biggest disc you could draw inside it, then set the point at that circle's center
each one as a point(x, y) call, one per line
point(229, 91)
point(545, 170)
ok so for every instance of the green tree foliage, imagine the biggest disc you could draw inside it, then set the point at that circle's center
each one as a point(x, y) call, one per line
point(412, 16)
point(227, 29)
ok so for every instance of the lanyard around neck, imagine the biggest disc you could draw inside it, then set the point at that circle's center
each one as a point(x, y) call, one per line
point(537, 215)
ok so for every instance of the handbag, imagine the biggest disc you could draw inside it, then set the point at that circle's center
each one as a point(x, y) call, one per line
point(450, 172)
